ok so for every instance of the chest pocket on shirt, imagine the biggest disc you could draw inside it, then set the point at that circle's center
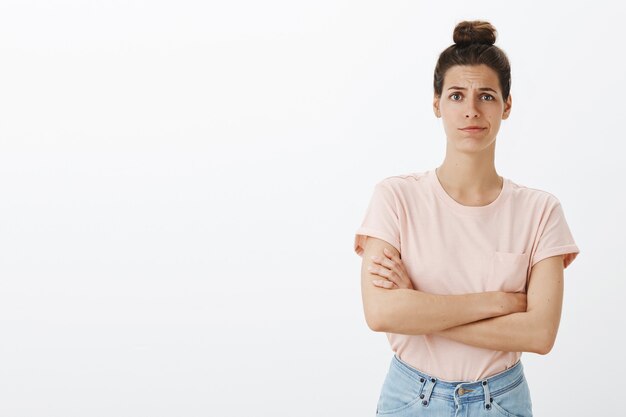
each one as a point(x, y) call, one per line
point(508, 272)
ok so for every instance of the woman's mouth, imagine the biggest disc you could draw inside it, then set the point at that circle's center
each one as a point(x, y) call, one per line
point(473, 129)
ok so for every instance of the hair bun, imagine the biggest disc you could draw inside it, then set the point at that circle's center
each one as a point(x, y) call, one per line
point(474, 31)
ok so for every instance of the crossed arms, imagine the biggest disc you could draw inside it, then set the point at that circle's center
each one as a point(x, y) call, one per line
point(509, 322)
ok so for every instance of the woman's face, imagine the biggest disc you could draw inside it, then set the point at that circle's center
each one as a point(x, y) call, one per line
point(471, 96)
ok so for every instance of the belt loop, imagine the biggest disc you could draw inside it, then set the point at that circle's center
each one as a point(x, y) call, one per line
point(429, 391)
point(487, 395)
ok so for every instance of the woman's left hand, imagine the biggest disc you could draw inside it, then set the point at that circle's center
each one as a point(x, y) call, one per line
point(392, 271)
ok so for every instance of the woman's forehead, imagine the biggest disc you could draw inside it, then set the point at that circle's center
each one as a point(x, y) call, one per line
point(471, 76)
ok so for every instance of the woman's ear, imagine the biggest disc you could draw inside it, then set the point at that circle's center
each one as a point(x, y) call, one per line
point(436, 106)
point(507, 107)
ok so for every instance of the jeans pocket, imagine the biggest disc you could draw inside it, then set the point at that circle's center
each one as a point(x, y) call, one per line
point(515, 402)
point(399, 391)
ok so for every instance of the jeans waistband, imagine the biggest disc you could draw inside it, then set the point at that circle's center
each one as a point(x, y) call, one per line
point(464, 391)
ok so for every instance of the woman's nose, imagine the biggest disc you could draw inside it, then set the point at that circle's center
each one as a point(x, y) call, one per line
point(471, 111)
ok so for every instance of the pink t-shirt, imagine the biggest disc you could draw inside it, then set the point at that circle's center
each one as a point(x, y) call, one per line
point(449, 248)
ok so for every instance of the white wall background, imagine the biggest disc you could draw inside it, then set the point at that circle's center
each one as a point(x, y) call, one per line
point(180, 182)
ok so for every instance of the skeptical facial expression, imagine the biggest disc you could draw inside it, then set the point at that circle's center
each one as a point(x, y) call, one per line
point(471, 106)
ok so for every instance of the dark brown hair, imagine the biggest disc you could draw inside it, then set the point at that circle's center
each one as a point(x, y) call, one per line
point(474, 45)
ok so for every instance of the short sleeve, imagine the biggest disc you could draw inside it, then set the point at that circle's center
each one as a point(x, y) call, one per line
point(555, 238)
point(381, 219)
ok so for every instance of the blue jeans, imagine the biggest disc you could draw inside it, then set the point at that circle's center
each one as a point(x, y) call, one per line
point(407, 392)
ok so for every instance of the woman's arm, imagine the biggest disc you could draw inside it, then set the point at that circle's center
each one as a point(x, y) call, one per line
point(534, 330)
point(412, 312)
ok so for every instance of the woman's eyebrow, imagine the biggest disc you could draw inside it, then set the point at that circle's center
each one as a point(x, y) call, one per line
point(454, 87)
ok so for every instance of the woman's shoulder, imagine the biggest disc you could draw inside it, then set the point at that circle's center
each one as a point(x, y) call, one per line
point(532, 195)
point(403, 187)
point(404, 179)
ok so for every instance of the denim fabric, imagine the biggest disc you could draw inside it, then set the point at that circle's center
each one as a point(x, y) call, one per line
point(407, 391)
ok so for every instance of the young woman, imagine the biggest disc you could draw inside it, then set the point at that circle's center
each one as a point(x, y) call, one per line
point(463, 268)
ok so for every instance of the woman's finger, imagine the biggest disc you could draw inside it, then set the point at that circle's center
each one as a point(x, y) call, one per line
point(403, 280)
point(386, 263)
point(389, 276)
point(391, 268)
point(390, 255)
point(379, 270)
point(382, 271)
point(393, 260)
point(383, 283)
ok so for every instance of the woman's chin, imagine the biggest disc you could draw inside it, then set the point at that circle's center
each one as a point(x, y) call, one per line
point(472, 145)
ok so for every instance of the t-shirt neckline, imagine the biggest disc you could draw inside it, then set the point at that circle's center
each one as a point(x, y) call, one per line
point(468, 210)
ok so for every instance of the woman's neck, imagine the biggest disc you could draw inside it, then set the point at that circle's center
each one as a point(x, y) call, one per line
point(471, 183)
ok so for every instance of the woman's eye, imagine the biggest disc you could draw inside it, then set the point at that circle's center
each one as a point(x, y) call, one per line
point(457, 97)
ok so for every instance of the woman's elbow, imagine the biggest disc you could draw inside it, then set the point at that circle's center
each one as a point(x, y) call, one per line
point(543, 349)
point(544, 342)
point(374, 319)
